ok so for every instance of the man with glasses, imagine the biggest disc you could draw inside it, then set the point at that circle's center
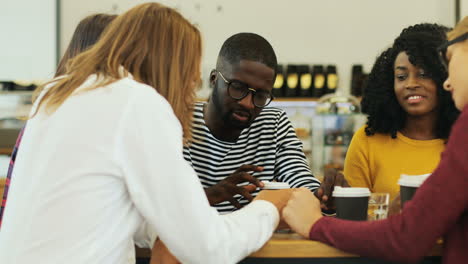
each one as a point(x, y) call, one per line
point(238, 141)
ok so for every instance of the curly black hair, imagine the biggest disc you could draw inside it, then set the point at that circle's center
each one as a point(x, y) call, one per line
point(385, 115)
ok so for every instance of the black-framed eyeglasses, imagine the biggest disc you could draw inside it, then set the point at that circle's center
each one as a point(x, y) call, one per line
point(238, 90)
point(442, 50)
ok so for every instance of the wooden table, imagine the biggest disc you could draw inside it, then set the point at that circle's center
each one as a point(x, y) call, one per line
point(290, 248)
point(293, 245)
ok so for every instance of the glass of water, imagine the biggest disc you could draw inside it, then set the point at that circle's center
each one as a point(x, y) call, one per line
point(378, 206)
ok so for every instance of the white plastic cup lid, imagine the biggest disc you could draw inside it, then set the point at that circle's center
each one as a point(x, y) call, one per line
point(275, 185)
point(350, 192)
point(412, 180)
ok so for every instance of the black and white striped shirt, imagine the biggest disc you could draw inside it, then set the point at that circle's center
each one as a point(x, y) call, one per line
point(270, 141)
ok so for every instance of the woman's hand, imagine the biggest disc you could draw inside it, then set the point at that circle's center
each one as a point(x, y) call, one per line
point(302, 211)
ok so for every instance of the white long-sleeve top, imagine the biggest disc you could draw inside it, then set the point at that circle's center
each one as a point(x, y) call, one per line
point(108, 160)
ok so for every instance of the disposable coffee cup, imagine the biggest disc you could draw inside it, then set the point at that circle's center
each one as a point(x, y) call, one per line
point(283, 228)
point(351, 203)
point(267, 185)
point(409, 184)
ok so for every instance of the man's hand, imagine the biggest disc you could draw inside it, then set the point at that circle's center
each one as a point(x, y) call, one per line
point(161, 255)
point(331, 179)
point(227, 188)
point(302, 211)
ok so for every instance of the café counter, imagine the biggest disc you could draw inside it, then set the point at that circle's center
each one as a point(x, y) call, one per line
point(290, 248)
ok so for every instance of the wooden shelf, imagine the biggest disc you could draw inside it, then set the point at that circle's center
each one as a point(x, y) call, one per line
point(24, 93)
point(279, 99)
point(6, 151)
point(301, 99)
point(294, 102)
point(295, 99)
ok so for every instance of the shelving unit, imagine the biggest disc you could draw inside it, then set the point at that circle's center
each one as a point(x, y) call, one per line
point(14, 104)
point(20, 93)
point(303, 115)
point(295, 99)
point(284, 102)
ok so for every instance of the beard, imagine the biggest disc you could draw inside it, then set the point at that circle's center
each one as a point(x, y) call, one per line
point(230, 121)
point(227, 116)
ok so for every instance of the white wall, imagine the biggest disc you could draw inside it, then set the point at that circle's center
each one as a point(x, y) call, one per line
point(341, 32)
point(27, 39)
point(463, 8)
point(72, 11)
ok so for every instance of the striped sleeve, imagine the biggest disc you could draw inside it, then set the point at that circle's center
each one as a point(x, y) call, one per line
point(270, 142)
point(291, 164)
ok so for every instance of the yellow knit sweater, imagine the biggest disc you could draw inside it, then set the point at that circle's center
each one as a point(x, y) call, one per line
point(377, 161)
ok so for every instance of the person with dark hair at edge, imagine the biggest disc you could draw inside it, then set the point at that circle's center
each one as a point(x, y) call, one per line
point(438, 209)
point(86, 34)
point(409, 114)
point(238, 139)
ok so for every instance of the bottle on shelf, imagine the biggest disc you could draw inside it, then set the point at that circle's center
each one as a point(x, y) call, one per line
point(7, 86)
point(305, 81)
point(332, 80)
point(292, 81)
point(278, 86)
point(357, 80)
point(318, 80)
point(364, 78)
point(24, 85)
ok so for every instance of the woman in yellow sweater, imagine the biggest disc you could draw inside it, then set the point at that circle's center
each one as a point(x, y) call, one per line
point(409, 113)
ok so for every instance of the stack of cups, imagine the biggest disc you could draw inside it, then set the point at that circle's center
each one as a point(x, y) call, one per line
point(351, 203)
point(409, 184)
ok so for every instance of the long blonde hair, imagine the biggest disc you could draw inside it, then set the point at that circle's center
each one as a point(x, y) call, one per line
point(460, 29)
point(155, 44)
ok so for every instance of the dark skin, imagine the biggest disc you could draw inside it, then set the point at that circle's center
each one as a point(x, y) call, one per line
point(220, 112)
point(218, 115)
point(227, 117)
point(417, 95)
point(227, 188)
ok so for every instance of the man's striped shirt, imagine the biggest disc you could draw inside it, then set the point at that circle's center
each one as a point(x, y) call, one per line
point(270, 142)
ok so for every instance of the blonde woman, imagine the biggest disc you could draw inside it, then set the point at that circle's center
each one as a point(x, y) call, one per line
point(86, 34)
point(439, 207)
point(102, 155)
